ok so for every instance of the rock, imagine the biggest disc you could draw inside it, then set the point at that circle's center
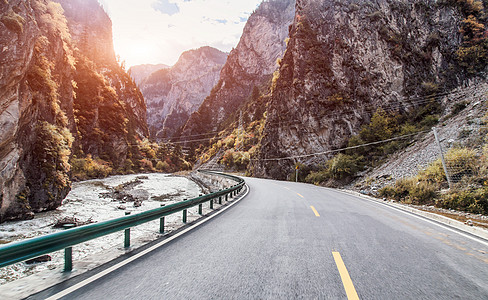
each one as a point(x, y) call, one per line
point(339, 67)
point(469, 222)
point(121, 207)
point(249, 67)
point(40, 259)
point(140, 72)
point(47, 58)
point(69, 222)
point(173, 94)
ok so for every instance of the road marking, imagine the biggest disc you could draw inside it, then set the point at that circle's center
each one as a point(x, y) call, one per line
point(346, 279)
point(315, 211)
point(300, 195)
point(142, 253)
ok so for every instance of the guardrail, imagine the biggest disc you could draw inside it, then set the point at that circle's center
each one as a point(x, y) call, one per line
point(35, 247)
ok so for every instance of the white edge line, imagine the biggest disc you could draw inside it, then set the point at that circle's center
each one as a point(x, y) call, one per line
point(413, 214)
point(140, 254)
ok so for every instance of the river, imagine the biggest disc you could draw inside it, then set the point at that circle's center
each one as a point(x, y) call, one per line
point(99, 200)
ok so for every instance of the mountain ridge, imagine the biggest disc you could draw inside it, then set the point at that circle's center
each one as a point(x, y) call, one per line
point(49, 81)
point(174, 93)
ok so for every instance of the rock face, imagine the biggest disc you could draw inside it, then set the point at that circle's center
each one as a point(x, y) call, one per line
point(251, 64)
point(43, 111)
point(344, 60)
point(141, 72)
point(173, 94)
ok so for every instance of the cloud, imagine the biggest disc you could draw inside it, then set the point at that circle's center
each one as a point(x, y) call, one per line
point(165, 7)
point(163, 29)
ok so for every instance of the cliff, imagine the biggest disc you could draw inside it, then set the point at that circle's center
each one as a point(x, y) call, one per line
point(141, 72)
point(346, 59)
point(47, 110)
point(251, 64)
point(173, 94)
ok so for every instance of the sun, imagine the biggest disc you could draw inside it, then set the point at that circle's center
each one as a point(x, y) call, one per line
point(135, 53)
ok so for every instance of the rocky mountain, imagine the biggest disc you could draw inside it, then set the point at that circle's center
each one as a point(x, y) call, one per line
point(141, 72)
point(346, 58)
point(61, 93)
point(249, 66)
point(173, 94)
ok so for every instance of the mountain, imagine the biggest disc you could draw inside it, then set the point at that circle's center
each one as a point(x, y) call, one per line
point(173, 94)
point(249, 66)
point(349, 64)
point(63, 98)
point(141, 72)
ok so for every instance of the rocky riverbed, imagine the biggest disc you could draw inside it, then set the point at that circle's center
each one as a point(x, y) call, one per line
point(96, 201)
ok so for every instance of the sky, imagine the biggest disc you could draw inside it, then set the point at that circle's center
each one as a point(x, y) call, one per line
point(158, 31)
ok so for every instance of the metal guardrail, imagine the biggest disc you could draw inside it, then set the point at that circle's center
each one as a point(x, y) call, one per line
point(35, 247)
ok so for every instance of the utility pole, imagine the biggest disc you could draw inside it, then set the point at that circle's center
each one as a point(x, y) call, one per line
point(296, 173)
point(241, 123)
point(240, 131)
point(442, 157)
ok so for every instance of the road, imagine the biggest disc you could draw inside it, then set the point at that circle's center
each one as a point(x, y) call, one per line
point(295, 241)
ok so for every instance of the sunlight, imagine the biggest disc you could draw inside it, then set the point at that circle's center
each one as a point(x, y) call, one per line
point(137, 53)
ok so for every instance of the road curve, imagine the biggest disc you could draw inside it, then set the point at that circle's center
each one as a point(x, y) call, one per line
point(295, 241)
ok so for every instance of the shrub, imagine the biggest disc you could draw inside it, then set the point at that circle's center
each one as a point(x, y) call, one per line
point(458, 107)
point(461, 162)
point(162, 166)
point(89, 168)
point(474, 201)
point(340, 167)
point(343, 166)
point(318, 177)
point(430, 88)
point(146, 165)
point(411, 191)
point(434, 173)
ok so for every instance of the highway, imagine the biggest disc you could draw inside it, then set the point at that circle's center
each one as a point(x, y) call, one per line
point(295, 241)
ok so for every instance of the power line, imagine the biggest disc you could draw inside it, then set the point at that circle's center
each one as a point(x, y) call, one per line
point(409, 102)
point(342, 149)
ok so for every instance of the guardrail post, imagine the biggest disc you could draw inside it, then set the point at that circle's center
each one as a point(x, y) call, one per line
point(211, 204)
point(226, 197)
point(127, 234)
point(184, 215)
point(161, 223)
point(200, 209)
point(68, 259)
point(220, 200)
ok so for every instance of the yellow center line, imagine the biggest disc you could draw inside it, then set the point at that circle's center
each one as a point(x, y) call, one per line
point(315, 211)
point(300, 195)
point(346, 279)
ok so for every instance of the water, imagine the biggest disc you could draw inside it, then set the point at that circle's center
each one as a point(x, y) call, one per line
point(87, 201)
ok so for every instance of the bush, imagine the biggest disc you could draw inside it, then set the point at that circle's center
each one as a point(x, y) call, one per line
point(318, 177)
point(343, 166)
point(340, 167)
point(458, 107)
point(434, 173)
point(461, 162)
point(473, 201)
point(89, 168)
point(411, 191)
point(146, 165)
point(233, 159)
point(162, 166)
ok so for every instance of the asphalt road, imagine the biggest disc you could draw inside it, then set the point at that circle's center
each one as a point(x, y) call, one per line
point(296, 241)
